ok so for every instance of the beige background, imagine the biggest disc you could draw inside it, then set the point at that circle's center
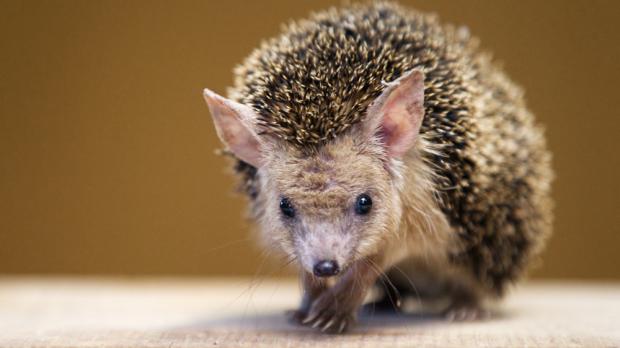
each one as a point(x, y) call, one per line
point(107, 158)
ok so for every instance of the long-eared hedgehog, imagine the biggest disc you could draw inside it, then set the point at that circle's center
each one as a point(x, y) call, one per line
point(377, 145)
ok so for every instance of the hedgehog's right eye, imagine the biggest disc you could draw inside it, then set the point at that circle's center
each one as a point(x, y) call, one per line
point(363, 204)
point(287, 208)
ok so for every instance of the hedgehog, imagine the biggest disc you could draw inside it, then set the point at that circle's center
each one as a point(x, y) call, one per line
point(381, 149)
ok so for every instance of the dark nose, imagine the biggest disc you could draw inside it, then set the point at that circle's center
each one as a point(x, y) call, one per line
point(326, 268)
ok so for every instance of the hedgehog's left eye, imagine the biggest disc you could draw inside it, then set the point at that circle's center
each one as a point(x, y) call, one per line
point(287, 207)
point(363, 204)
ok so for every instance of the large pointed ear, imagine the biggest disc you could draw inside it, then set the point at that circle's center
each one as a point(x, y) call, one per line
point(235, 126)
point(396, 115)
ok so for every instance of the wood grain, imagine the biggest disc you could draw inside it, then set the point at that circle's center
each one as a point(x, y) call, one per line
point(160, 312)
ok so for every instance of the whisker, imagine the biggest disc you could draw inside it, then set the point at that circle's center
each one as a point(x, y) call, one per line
point(254, 284)
point(410, 281)
point(385, 280)
point(262, 256)
point(227, 245)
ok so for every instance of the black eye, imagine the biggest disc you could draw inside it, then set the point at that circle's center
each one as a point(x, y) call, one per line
point(363, 204)
point(287, 208)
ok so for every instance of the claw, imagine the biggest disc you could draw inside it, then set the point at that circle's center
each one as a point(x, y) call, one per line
point(327, 325)
point(467, 314)
point(310, 318)
point(318, 323)
point(295, 316)
point(343, 325)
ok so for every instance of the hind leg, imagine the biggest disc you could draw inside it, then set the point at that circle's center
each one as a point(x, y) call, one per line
point(409, 286)
point(421, 285)
point(465, 304)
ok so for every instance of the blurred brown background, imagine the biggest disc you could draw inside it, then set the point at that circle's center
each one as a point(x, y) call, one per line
point(107, 160)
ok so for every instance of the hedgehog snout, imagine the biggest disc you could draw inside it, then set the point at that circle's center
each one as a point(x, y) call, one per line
point(324, 252)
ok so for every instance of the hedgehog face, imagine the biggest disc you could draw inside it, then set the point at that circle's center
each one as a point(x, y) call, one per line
point(335, 205)
point(332, 204)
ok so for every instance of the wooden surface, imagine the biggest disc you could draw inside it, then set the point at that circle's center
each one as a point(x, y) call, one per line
point(154, 312)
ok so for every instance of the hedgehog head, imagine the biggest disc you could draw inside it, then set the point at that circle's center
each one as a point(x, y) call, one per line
point(332, 203)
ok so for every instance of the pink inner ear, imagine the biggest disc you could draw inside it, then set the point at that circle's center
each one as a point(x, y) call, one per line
point(240, 140)
point(401, 113)
point(230, 120)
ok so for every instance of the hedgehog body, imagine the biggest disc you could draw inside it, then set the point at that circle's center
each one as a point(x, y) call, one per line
point(490, 167)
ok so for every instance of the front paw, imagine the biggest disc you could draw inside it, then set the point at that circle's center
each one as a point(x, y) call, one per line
point(331, 313)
